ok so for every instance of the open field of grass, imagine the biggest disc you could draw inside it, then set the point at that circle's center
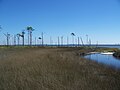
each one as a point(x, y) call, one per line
point(53, 69)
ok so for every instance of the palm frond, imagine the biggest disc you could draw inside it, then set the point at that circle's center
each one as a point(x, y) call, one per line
point(72, 34)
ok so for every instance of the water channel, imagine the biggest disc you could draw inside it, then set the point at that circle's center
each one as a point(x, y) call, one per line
point(108, 60)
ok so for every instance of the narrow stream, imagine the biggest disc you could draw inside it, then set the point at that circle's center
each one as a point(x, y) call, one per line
point(108, 60)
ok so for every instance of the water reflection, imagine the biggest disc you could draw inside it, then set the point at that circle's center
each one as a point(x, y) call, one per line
point(105, 59)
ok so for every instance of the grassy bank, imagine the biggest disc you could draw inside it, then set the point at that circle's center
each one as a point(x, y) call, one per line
point(117, 54)
point(53, 69)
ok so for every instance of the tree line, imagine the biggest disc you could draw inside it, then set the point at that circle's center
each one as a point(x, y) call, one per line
point(30, 29)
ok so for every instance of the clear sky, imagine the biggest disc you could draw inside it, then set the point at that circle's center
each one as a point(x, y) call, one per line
point(99, 19)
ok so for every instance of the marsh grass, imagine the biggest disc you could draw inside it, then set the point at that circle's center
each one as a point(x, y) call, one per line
point(53, 69)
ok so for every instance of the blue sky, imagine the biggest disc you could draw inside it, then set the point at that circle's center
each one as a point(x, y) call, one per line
point(99, 19)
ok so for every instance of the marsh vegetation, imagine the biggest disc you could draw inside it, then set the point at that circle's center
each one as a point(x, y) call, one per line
point(53, 69)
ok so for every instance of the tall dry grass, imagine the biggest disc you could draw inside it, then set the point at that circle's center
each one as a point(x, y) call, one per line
point(53, 69)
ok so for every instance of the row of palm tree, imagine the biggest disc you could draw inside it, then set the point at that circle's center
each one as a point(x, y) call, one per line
point(20, 35)
point(30, 30)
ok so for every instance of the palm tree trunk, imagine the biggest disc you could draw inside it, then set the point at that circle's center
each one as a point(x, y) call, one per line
point(73, 40)
point(42, 39)
point(58, 41)
point(35, 41)
point(67, 41)
point(82, 41)
point(78, 41)
point(15, 40)
point(18, 40)
point(50, 41)
point(23, 40)
point(30, 38)
point(7, 41)
point(62, 41)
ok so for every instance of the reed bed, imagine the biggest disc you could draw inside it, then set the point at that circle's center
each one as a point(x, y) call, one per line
point(53, 69)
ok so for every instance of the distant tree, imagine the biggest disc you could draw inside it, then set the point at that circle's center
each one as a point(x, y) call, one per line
point(0, 28)
point(30, 29)
point(61, 40)
point(78, 41)
point(67, 41)
point(58, 41)
point(7, 37)
point(22, 35)
point(35, 41)
point(40, 39)
point(82, 41)
point(51, 41)
point(15, 40)
point(18, 38)
point(90, 42)
point(87, 40)
point(72, 34)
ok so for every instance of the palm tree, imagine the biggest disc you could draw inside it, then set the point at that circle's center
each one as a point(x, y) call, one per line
point(87, 40)
point(14, 40)
point(78, 41)
point(22, 35)
point(40, 39)
point(30, 29)
point(58, 41)
point(0, 28)
point(7, 37)
point(35, 41)
point(82, 41)
point(18, 37)
point(51, 41)
point(67, 41)
point(61, 40)
point(72, 34)
point(90, 42)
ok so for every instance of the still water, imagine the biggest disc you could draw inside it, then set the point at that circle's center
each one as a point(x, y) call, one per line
point(108, 60)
